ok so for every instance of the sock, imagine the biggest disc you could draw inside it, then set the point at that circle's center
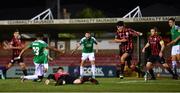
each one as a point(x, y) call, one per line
point(81, 71)
point(174, 64)
point(84, 79)
point(122, 69)
point(152, 73)
point(31, 77)
point(140, 73)
point(25, 72)
point(93, 69)
point(137, 70)
point(170, 71)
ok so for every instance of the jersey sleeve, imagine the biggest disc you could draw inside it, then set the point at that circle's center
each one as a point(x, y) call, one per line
point(161, 41)
point(133, 32)
point(81, 41)
point(116, 36)
point(95, 41)
point(30, 45)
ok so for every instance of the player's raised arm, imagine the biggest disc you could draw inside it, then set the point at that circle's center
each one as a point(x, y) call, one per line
point(55, 49)
point(96, 44)
point(77, 46)
point(135, 33)
point(22, 51)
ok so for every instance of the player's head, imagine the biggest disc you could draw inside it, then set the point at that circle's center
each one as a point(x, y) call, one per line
point(171, 22)
point(60, 69)
point(39, 36)
point(16, 33)
point(88, 35)
point(153, 31)
point(120, 25)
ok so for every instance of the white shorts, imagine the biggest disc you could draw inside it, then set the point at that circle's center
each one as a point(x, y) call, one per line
point(175, 50)
point(89, 56)
point(46, 66)
point(39, 69)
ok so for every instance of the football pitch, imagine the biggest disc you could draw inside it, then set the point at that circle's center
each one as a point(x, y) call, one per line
point(130, 84)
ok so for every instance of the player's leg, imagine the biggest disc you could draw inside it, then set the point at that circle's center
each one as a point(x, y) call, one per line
point(24, 68)
point(83, 58)
point(149, 67)
point(178, 53)
point(50, 76)
point(8, 66)
point(166, 66)
point(122, 62)
point(32, 77)
point(85, 79)
point(93, 67)
point(40, 72)
point(174, 59)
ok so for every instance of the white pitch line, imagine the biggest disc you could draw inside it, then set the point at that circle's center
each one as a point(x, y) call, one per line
point(149, 82)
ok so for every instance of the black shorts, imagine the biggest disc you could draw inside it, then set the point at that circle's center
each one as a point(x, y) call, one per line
point(68, 79)
point(154, 59)
point(127, 51)
point(16, 61)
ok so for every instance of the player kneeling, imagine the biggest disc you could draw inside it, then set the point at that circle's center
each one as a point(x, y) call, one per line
point(61, 77)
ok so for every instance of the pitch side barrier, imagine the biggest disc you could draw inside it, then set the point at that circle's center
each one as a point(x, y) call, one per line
point(88, 20)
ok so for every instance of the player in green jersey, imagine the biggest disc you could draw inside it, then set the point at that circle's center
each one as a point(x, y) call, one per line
point(175, 35)
point(40, 57)
point(88, 52)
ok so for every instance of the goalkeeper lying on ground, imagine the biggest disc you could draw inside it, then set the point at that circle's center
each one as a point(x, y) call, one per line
point(61, 77)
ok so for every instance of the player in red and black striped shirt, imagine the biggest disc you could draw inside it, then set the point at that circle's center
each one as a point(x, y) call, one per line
point(16, 47)
point(61, 77)
point(124, 36)
point(156, 45)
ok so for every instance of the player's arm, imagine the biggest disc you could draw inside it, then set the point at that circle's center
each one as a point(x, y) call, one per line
point(54, 49)
point(12, 47)
point(50, 58)
point(135, 33)
point(146, 46)
point(174, 41)
point(119, 40)
point(162, 48)
point(77, 46)
point(22, 51)
point(96, 45)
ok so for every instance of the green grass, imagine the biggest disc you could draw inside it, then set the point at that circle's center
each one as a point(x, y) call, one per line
point(106, 85)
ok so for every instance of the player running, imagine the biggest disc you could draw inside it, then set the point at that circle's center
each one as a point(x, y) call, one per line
point(61, 77)
point(16, 46)
point(157, 46)
point(175, 51)
point(40, 57)
point(124, 36)
point(88, 52)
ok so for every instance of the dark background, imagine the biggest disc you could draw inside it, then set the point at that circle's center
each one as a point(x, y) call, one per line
point(26, 9)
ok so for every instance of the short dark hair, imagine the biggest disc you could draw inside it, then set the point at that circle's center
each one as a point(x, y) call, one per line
point(120, 23)
point(39, 35)
point(155, 29)
point(172, 19)
point(60, 68)
point(88, 32)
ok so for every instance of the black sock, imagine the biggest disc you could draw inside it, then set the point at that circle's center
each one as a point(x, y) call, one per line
point(170, 71)
point(152, 73)
point(84, 79)
point(25, 72)
point(5, 72)
point(137, 70)
point(122, 69)
point(175, 70)
point(40, 77)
